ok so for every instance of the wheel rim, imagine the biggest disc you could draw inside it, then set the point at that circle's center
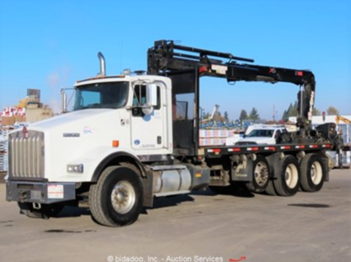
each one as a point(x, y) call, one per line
point(123, 197)
point(316, 173)
point(291, 176)
point(261, 173)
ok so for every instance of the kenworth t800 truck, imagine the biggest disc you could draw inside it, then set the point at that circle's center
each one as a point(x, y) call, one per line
point(133, 137)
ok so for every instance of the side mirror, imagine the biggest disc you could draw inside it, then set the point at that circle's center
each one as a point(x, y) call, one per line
point(151, 99)
point(147, 110)
point(151, 94)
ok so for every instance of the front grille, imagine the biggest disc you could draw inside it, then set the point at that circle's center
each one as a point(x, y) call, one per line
point(26, 154)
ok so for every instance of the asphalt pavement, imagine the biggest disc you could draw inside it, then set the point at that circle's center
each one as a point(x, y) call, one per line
point(200, 227)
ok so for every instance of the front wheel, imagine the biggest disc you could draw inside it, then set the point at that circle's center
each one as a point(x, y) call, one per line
point(288, 180)
point(117, 198)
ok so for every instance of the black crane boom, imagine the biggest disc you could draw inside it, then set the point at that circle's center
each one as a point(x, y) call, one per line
point(166, 57)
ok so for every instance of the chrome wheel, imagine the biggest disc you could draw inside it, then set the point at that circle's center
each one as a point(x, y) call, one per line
point(291, 176)
point(261, 175)
point(316, 173)
point(123, 197)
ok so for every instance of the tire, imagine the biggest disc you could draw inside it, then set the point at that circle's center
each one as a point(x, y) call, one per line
point(270, 189)
point(45, 212)
point(117, 198)
point(313, 173)
point(288, 180)
point(260, 175)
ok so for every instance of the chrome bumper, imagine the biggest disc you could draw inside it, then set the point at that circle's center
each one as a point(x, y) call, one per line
point(40, 192)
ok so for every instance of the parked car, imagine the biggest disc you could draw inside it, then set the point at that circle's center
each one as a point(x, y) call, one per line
point(235, 138)
point(262, 134)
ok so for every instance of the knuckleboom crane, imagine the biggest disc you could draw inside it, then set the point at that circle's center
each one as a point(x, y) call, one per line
point(166, 58)
point(339, 118)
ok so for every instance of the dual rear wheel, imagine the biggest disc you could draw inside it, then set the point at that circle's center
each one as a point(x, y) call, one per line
point(287, 182)
point(288, 179)
point(309, 174)
point(313, 173)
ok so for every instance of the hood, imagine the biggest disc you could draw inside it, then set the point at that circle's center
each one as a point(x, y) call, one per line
point(256, 140)
point(74, 119)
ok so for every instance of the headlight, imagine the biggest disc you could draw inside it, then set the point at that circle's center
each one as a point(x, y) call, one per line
point(75, 168)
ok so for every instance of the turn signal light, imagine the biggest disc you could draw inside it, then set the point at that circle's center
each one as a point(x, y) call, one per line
point(115, 143)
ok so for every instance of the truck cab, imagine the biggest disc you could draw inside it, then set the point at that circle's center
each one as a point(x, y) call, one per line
point(120, 128)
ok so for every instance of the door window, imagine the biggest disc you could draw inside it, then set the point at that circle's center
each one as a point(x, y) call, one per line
point(139, 99)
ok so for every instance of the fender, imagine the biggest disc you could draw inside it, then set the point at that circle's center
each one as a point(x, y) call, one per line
point(96, 159)
point(122, 155)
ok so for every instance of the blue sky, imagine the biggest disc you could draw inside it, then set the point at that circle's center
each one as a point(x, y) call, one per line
point(48, 45)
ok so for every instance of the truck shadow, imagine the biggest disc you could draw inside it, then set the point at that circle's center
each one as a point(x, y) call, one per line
point(73, 211)
point(170, 201)
point(162, 202)
point(228, 191)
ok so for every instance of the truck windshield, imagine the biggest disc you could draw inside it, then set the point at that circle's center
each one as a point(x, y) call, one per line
point(101, 95)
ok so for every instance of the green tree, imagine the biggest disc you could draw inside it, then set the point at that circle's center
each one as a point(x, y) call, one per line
point(254, 114)
point(243, 115)
point(332, 111)
point(292, 111)
point(226, 117)
point(206, 115)
point(316, 112)
point(285, 116)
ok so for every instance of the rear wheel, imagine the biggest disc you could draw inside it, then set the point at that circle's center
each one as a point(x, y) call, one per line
point(313, 173)
point(260, 175)
point(117, 198)
point(270, 188)
point(288, 181)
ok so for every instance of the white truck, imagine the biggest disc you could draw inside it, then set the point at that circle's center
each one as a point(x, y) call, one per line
point(131, 138)
point(262, 134)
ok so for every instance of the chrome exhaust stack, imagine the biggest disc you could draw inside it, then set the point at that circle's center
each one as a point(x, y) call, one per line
point(63, 101)
point(102, 65)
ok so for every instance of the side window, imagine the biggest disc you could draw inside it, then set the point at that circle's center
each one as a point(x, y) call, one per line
point(139, 98)
point(278, 132)
point(184, 107)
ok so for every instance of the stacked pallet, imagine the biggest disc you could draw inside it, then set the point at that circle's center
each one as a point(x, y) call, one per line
point(214, 137)
point(11, 115)
point(3, 149)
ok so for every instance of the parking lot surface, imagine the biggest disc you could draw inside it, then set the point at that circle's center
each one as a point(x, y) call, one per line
point(200, 227)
